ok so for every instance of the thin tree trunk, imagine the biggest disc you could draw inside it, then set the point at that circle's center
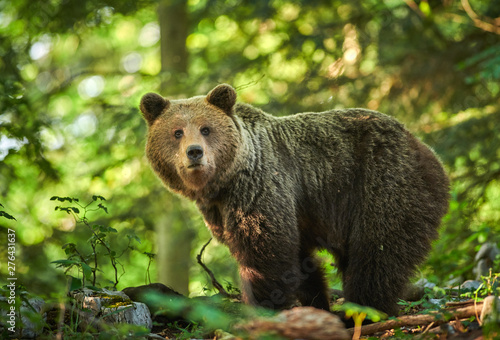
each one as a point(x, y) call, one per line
point(173, 19)
point(174, 234)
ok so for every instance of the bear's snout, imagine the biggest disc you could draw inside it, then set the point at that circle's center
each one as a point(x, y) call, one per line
point(194, 152)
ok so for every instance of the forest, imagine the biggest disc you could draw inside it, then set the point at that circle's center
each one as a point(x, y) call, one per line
point(81, 207)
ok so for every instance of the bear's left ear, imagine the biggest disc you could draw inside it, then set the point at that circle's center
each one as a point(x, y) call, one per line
point(152, 105)
point(223, 96)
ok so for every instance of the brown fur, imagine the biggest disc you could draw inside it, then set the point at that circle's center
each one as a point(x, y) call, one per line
point(354, 182)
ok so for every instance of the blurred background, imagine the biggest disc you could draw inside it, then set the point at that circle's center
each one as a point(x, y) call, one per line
point(72, 74)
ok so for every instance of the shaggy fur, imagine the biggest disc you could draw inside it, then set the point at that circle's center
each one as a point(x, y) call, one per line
point(274, 190)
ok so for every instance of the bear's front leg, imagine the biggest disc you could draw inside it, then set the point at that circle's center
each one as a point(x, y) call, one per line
point(271, 287)
point(268, 254)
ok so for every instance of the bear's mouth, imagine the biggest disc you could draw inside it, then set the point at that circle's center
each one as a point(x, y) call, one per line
point(195, 166)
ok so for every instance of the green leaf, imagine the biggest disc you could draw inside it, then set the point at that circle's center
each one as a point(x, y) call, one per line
point(69, 248)
point(351, 309)
point(425, 8)
point(134, 237)
point(74, 283)
point(87, 271)
point(7, 216)
point(66, 263)
point(103, 207)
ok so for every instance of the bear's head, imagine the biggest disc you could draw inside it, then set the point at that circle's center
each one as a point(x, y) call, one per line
point(191, 142)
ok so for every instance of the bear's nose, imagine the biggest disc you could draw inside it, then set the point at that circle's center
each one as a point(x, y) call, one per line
point(194, 152)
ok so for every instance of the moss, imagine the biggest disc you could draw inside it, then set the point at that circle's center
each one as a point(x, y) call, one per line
point(114, 301)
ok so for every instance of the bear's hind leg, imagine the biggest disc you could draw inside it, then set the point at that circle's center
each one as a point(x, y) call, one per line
point(377, 279)
point(313, 289)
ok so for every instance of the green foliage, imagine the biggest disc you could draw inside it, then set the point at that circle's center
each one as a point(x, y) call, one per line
point(99, 240)
point(191, 331)
point(359, 313)
point(424, 306)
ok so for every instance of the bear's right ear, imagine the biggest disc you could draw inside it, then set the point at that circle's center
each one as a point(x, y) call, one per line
point(152, 105)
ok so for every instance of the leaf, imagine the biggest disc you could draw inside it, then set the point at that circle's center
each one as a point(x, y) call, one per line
point(7, 216)
point(69, 248)
point(87, 271)
point(134, 237)
point(103, 207)
point(104, 229)
point(63, 209)
point(66, 263)
point(74, 283)
point(352, 309)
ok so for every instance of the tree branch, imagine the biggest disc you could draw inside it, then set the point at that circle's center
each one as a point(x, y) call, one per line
point(491, 26)
point(215, 283)
point(436, 318)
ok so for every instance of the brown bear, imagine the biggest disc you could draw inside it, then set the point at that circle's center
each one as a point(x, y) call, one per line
point(276, 189)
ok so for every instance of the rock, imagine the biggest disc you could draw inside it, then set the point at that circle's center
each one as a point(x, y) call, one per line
point(469, 285)
point(135, 314)
point(416, 291)
point(140, 294)
point(29, 313)
point(299, 323)
point(110, 307)
point(484, 259)
point(491, 310)
point(95, 300)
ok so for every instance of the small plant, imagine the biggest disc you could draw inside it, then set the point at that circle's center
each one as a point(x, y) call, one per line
point(424, 305)
point(87, 264)
point(358, 314)
point(490, 285)
point(191, 331)
point(151, 257)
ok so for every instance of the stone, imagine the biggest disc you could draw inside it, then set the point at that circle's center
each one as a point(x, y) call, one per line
point(470, 285)
point(110, 307)
point(485, 259)
point(27, 327)
point(491, 310)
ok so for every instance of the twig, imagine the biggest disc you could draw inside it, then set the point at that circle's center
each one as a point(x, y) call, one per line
point(418, 320)
point(215, 283)
point(484, 25)
point(60, 322)
point(413, 5)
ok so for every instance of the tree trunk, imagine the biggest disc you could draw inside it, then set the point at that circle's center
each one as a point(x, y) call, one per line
point(174, 234)
point(174, 249)
point(173, 19)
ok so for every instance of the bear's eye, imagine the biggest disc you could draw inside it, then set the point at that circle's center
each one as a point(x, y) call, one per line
point(205, 131)
point(178, 133)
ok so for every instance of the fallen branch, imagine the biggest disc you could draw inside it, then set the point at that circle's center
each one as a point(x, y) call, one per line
point(215, 283)
point(420, 320)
